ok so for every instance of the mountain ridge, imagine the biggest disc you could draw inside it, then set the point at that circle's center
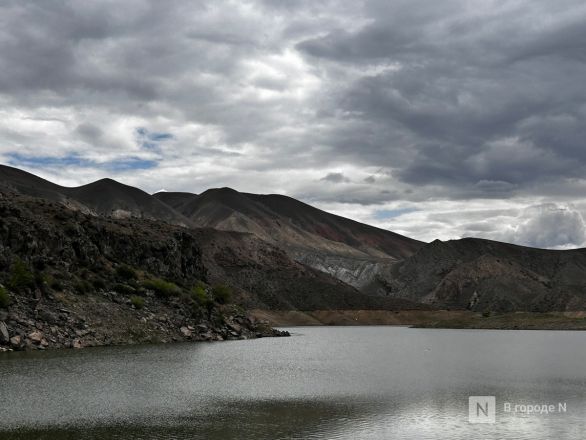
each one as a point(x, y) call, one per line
point(355, 253)
point(364, 264)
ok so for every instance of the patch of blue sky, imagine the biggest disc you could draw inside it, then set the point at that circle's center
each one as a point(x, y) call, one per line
point(385, 214)
point(123, 164)
point(17, 159)
point(150, 140)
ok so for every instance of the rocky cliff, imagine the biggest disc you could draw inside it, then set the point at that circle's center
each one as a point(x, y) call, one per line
point(485, 275)
point(71, 278)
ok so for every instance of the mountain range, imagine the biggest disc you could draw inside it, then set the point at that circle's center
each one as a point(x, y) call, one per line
point(282, 253)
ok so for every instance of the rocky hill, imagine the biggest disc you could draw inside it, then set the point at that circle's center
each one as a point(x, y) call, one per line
point(484, 275)
point(355, 253)
point(104, 197)
point(274, 251)
point(358, 254)
point(71, 278)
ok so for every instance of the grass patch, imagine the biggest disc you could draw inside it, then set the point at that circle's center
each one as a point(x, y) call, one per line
point(161, 287)
point(81, 287)
point(124, 289)
point(126, 273)
point(199, 294)
point(4, 298)
point(137, 301)
point(20, 276)
point(222, 293)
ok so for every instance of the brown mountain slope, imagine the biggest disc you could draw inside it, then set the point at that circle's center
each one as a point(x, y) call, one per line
point(290, 222)
point(73, 246)
point(488, 275)
point(353, 252)
point(103, 197)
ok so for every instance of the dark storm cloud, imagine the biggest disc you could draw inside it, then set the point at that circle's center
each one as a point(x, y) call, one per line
point(479, 96)
point(335, 178)
point(408, 100)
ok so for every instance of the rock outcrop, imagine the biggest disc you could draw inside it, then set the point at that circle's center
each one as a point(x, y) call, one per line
point(484, 275)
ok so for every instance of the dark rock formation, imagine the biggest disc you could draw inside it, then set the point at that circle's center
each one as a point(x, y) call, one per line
point(486, 275)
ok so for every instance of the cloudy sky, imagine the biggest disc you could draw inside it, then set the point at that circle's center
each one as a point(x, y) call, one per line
point(433, 119)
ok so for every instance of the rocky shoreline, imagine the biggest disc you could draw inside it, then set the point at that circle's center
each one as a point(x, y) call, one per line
point(66, 320)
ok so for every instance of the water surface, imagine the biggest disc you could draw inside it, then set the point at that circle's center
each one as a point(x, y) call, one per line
point(322, 383)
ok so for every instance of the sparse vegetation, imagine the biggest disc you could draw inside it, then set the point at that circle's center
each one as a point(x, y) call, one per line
point(125, 272)
point(81, 287)
point(4, 298)
point(124, 289)
point(199, 295)
point(137, 301)
point(222, 293)
point(20, 276)
point(99, 284)
point(56, 285)
point(161, 287)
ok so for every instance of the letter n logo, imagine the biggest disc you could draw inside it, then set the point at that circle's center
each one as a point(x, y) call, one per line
point(482, 409)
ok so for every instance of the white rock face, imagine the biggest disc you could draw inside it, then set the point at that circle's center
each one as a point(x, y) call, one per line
point(359, 273)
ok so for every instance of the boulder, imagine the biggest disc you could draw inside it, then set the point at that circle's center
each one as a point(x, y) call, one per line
point(15, 341)
point(36, 337)
point(186, 332)
point(4, 337)
point(235, 327)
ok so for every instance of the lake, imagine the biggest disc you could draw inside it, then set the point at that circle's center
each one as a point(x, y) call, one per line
point(321, 383)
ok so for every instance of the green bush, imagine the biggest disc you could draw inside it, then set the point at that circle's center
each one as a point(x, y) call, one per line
point(20, 276)
point(161, 287)
point(4, 298)
point(125, 272)
point(124, 289)
point(137, 301)
point(222, 293)
point(199, 295)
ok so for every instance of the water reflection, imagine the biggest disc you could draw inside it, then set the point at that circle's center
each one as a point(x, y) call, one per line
point(334, 383)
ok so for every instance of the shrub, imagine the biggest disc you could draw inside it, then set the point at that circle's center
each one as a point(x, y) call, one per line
point(56, 285)
point(125, 272)
point(137, 301)
point(99, 283)
point(486, 314)
point(81, 287)
point(199, 295)
point(124, 289)
point(20, 276)
point(222, 293)
point(162, 287)
point(4, 298)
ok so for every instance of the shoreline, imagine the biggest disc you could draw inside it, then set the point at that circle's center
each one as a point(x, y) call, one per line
point(436, 319)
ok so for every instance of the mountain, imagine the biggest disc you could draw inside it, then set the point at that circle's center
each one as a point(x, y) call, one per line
point(353, 252)
point(61, 243)
point(358, 254)
point(281, 253)
point(103, 197)
point(484, 275)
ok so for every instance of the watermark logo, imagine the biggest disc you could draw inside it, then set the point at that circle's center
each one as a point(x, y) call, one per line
point(482, 409)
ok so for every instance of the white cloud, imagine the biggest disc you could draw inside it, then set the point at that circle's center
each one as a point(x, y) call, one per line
point(452, 119)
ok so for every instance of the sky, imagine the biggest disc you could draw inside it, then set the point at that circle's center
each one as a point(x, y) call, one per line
point(432, 119)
